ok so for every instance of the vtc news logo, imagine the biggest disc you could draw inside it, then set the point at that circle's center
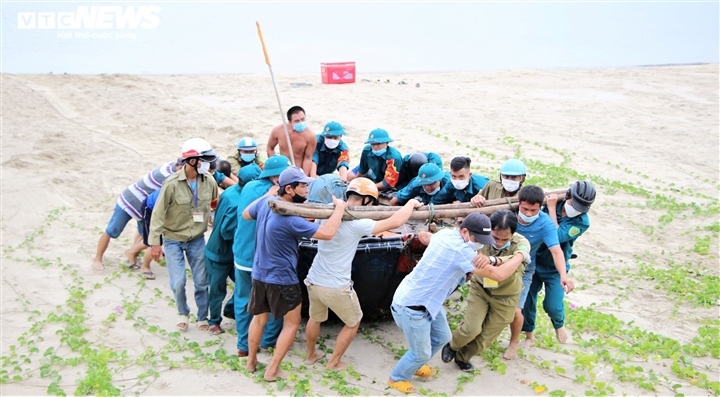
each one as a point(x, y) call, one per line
point(103, 17)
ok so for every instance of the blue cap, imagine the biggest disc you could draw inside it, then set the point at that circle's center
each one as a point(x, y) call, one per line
point(378, 135)
point(275, 165)
point(247, 143)
point(333, 128)
point(429, 173)
point(292, 175)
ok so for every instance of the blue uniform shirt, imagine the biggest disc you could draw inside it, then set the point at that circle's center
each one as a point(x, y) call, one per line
point(449, 194)
point(276, 241)
point(328, 160)
point(244, 241)
point(414, 189)
point(405, 177)
point(568, 231)
point(541, 231)
point(219, 247)
point(385, 168)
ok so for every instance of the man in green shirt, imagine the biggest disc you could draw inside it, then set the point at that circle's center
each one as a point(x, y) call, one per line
point(181, 216)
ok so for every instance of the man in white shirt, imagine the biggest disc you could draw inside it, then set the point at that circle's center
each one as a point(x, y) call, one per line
point(328, 282)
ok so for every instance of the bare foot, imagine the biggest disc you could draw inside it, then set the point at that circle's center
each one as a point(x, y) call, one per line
point(511, 352)
point(312, 359)
point(529, 339)
point(562, 336)
point(251, 366)
point(274, 377)
point(97, 265)
point(339, 366)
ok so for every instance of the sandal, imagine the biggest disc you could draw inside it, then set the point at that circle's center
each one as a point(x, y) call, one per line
point(182, 323)
point(425, 371)
point(134, 266)
point(215, 330)
point(203, 325)
point(149, 275)
point(402, 386)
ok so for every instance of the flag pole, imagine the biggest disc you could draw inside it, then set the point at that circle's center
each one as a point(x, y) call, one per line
point(277, 95)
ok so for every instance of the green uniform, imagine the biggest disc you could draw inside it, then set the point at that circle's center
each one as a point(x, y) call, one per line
point(236, 163)
point(173, 212)
point(490, 310)
point(494, 190)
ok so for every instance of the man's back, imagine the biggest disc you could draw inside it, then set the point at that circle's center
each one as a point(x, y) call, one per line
point(332, 266)
point(276, 244)
point(244, 240)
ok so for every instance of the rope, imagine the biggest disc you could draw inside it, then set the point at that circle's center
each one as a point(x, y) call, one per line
point(432, 213)
point(351, 215)
point(509, 202)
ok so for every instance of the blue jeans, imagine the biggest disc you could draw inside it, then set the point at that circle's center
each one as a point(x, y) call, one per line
point(118, 221)
point(243, 286)
point(527, 279)
point(425, 338)
point(175, 253)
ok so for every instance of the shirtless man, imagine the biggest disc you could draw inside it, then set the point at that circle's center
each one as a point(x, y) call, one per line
point(302, 138)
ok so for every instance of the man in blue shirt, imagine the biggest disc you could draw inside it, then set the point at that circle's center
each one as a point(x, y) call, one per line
point(425, 186)
point(218, 250)
point(331, 152)
point(464, 184)
point(244, 252)
point(537, 228)
point(275, 284)
point(379, 162)
point(417, 303)
point(572, 223)
point(411, 165)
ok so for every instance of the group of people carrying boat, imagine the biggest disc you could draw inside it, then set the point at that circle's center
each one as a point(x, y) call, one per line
point(506, 259)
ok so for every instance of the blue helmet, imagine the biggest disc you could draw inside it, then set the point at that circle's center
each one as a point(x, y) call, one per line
point(378, 135)
point(513, 167)
point(333, 128)
point(247, 143)
point(429, 173)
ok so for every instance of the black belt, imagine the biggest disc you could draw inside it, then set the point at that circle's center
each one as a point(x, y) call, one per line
point(417, 308)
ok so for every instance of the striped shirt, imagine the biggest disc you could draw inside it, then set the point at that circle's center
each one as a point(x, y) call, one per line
point(445, 262)
point(132, 197)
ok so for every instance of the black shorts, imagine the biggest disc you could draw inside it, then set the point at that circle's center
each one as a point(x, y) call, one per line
point(273, 298)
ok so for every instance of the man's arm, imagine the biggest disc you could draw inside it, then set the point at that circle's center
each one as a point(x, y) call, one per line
point(313, 170)
point(309, 150)
point(157, 220)
point(392, 173)
point(247, 215)
point(559, 259)
point(501, 272)
point(228, 223)
point(228, 181)
point(551, 205)
point(327, 230)
point(398, 218)
point(272, 142)
point(342, 171)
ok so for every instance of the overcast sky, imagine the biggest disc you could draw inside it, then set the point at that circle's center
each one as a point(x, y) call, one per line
point(379, 37)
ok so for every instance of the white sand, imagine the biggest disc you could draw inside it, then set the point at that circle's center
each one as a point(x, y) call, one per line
point(74, 142)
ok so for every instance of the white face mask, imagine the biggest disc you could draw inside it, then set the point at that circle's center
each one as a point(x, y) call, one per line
point(332, 143)
point(460, 184)
point(204, 167)
point(474, 245)
point(570, 211)
point(510, 186)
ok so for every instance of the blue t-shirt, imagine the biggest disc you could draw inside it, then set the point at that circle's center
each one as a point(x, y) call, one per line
point(244, 241)
point(151, 199)
point(542, 231)
point(276, 243)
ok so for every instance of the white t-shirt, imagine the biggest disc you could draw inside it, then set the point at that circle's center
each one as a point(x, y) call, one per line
point(332, 266)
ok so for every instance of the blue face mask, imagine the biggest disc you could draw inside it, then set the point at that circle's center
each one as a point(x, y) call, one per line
point(501, 248)
point(300, 127)
point(528, 219)
point(434, 192)
point(247, 157)
point(379, 152)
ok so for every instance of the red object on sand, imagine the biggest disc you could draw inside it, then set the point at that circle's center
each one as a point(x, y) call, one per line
point(337, 72)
